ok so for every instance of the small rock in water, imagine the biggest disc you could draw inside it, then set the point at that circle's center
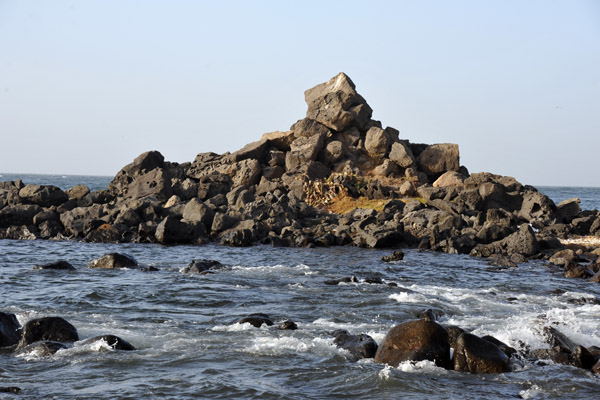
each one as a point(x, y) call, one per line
point(48, 328)
point(44, 348)
point(332, 282)
point(113, 261)
point(396, 256)
point(58, 265)
point(360, 346)
point(10, 389)
point(114, 342)
point(375, 280)
point(202, 266)
point(431, 314)
point(256, 320)
point(288, 325)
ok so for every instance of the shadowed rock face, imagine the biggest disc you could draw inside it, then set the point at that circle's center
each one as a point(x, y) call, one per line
point(415, 341)
point(10, 329)
point(478, 356)
point(48, 328)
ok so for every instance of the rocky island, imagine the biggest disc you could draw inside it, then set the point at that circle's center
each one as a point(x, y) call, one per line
point(337, 177)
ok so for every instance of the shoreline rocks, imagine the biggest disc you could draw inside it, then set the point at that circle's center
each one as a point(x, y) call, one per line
point(277, 191)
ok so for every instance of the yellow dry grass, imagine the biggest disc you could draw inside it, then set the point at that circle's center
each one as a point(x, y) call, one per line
point(343, 204)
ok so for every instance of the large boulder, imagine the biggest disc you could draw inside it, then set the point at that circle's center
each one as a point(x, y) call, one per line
point(377, 142)
point(141, 165)
point(196, 211)
point(415, 341)
point(477, 356)
point(48, 328)
point(303, 150)
point(402, 155)
point(306, 128)
point(21, 214)
point(336, 104)
point(439, 158)
point(43, 195)
point(78, 221)
point(10, 329)
point(521, 242)
point(537, 208)
point(171, 231)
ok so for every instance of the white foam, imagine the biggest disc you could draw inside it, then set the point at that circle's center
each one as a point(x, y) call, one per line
point(268, 345)
point(533, 392)
point(237, 327)
point(353, 328)
point(405, 297)
point(420, 367)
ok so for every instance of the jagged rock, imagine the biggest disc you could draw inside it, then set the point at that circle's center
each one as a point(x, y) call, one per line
point(454, 333)
point(308, 127)
point(48, 328)
point(255, 150)
point(43, 195)
point(568, 209)
point(17, 215)
point(196, 211)
point(304, 149)
point(415, 341)
point(57, 265)
point(537, 207)
point(279, 140)
point(477, 356)
point(407, 189)
point(75, 220)
point(171, 230)
point(113, 261)
point(402, 155)
point(247, 173)
point(17, 233)
point(77, 192)
point(332, 153)
point(563, 258)
point(112, 341)
point(334, 102)
point(359, 346)
point(521, 242)
point(238, 237)
point(202, 266)
point(10, 329)
point(257, 320)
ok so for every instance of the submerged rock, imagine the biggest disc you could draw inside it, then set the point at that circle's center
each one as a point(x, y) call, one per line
point(288, 325)
point(397, 255)
point(48, 329)
point(256, 320)
point(114, 342)
point(43, 348)
point(113, 261)
point(10, 329)
point(57, 265)
point(202, 266)
point(359, 346)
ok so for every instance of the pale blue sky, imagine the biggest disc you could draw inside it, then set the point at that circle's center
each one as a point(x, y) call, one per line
point(85, 86)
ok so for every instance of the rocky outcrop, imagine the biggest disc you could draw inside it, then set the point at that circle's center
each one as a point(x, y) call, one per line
point(415, 341)
point(278, 190)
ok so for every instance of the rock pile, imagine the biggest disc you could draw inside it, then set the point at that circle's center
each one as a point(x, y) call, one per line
point(258, 194)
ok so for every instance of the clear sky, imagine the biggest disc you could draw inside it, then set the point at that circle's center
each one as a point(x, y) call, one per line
point(86, 86)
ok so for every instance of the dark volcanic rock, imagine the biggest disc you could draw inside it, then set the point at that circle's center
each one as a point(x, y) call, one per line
point(45, 196)
point(10, 329)
point(57, 265)
point(202, 266)
point(415, 341)
point(18, 215)
point(171, 230)
point(477, 356)
point(288, 325)
point(113, 261)
point(48, 328)
point(360, 346)
point(112, 341)
point(256, 320)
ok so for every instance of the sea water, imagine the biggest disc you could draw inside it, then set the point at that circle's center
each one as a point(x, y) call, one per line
point(189, 344)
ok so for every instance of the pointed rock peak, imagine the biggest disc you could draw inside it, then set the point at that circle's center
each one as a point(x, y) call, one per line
point(339, 83)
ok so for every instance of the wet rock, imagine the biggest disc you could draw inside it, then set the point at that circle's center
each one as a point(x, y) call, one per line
point(113, 261)
point(477, 356)
point(360, 346)
point(415, 341)
point(238, 237)
point(506, 349)
point(257, 320)
point(333, 282)
point(502, 261)
point(57, 265)
point(431, 314)
point(48, 328)
point(558, 339)
point(574, 270)
point(202, 266)
point(42, 348)
point(288, 325)
point(43, 195)
point(454, 333)
point(112, 341)
point(10, 329)
point(397, 255)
